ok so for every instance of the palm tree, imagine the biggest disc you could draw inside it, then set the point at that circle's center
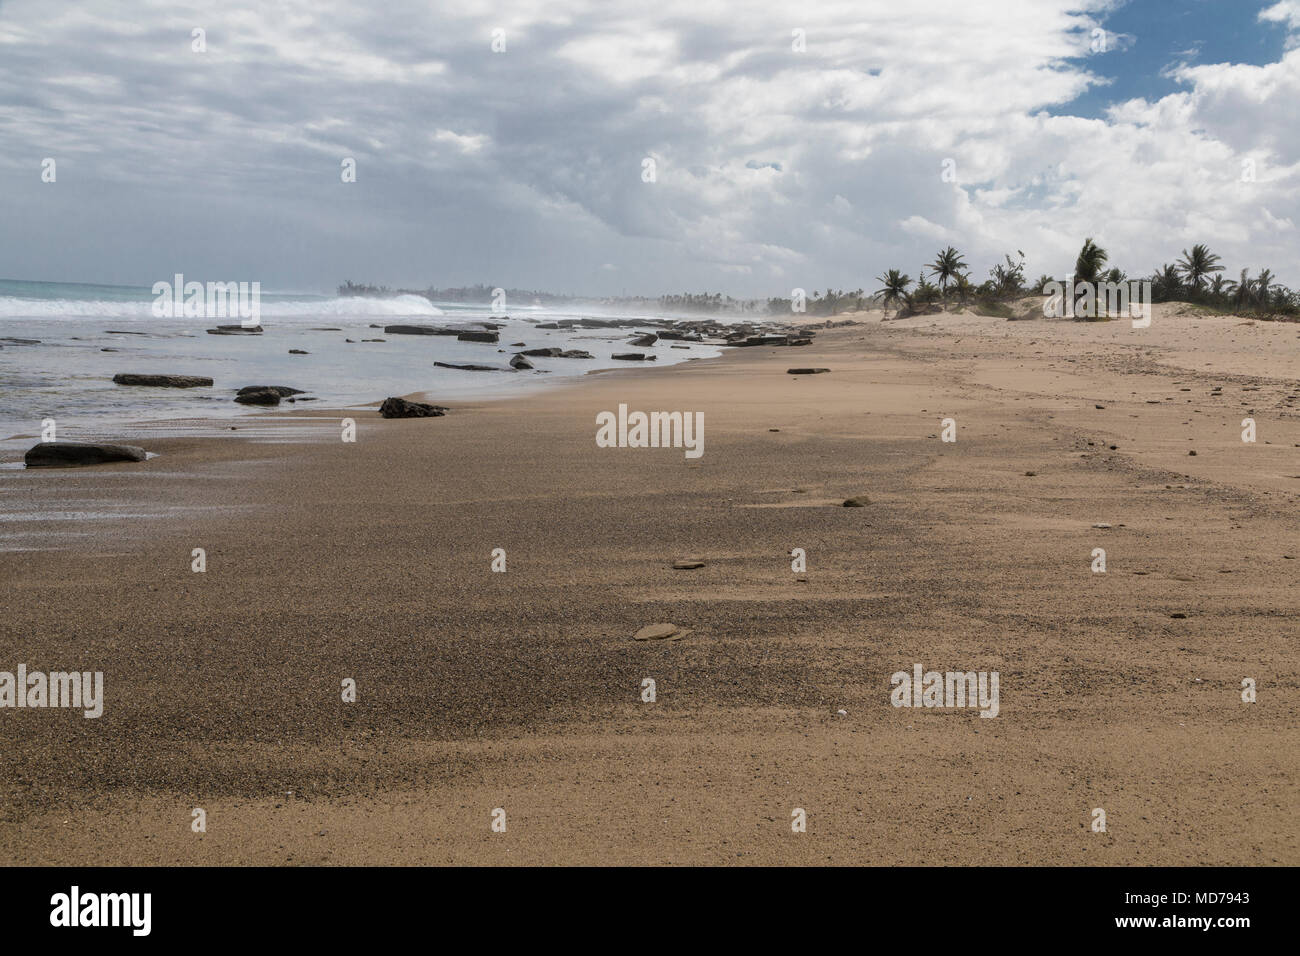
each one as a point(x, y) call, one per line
point(1219, 287)
point(1166, 282)
point(962, 287)
point(1198, 264)
point(895, 287)
point(947, 265)
point(1089, 262)
point(1242, 290)
point(1264, 287)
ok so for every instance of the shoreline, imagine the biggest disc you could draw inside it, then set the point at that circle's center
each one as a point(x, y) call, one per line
point(521, 690)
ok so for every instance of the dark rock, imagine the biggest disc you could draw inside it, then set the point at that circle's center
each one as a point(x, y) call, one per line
point(298, 352)
point(521, 363)
point(13, 341)
point(859, 502)
point(642, 341)
point(258, 396)
point(806, 371)
point(634, 357)
point(548, 325)
point(557, 353)
point(284, 391)
point(65, 454)
point(416, 330)
point(473, 336)
point(236, 330)
point(401, 408)
point(471, 367)
point(161, 381)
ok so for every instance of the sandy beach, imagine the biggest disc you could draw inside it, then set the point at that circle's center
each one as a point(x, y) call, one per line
point(478, 690)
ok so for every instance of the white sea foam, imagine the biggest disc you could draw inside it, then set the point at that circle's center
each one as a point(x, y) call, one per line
point(272, 307)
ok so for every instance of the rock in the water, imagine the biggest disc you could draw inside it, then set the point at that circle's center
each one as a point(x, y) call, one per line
point(806, 371)
point(521, 363)
point(659, 632)
point(161, 381)
point(472, 336)
point(236, 330)
point(258, 396)
point(416, 330)
point(634, 357)
point(64, 454)
point(643, 341)
point(284, 391)
point(401, 408)
point(687, 564)
point(861, 501)
point(298, 352)
point(13, 341)
point(471, 367)
point(557, 353)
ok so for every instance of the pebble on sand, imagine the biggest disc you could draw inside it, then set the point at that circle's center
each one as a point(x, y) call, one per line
point(861, 501)
point(687, 564)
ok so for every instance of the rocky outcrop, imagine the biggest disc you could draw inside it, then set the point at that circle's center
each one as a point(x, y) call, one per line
point(416, 330)
point(258, 396)
point(645, 341)
point(471, 367)
point(67, 454)
point(161, 381)
point(401, 408)
point(284, 391)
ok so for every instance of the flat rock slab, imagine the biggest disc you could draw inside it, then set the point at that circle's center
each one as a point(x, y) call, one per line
point(660, 632)
point(401, 408)
point(687, 565)
point(67, 454)
point(474, 368)
point(161, 381)
point(806, 371)
point(633, 357)
point(859, 502)
point(491, 337)
point(416, 330)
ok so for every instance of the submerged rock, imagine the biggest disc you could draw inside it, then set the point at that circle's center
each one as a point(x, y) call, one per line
point(284, 391)
point(401, 408)
point(472, 367)
point(258, 396)
point(473, 336)
point(66, 454)
point(236, 330)
point(161, 381)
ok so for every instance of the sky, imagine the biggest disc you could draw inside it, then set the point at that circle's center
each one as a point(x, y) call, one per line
point(615, 147)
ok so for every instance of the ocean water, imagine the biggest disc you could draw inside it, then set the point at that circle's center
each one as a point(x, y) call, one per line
point(68, 375)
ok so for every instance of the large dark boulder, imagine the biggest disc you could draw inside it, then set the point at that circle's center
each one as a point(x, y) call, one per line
point(401, 408)
point(284, 391)
point(67, 454)
point(644, 341)
point(258, 396)
point(519, 363)
point(161, 381)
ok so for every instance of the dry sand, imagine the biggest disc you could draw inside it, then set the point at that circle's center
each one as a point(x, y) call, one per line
point(479, 690)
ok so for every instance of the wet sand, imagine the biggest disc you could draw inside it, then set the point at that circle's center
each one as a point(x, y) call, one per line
point(522, 690)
